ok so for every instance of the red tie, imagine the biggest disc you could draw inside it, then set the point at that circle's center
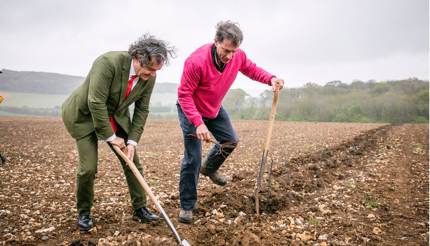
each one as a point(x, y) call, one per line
point(130, 85)
point(127, 93)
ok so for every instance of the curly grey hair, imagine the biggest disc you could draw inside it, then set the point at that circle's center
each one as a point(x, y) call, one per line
point(229, 30)
point(147, 49)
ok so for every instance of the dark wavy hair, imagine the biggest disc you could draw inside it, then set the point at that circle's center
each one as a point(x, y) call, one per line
point(229, 30)
point(148, 49)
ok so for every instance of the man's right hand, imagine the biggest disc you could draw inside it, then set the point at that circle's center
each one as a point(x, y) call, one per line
point(120, 143)
point(202, 133)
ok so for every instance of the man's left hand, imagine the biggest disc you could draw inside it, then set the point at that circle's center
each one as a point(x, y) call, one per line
point(129, 152)
point(277, 84)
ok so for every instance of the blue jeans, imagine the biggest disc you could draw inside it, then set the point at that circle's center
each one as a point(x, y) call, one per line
point(222, 129)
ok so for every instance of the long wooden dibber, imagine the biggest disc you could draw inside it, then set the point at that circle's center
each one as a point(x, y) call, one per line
point(148, 191)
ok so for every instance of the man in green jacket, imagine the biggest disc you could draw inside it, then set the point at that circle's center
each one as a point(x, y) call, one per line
point(98, 110)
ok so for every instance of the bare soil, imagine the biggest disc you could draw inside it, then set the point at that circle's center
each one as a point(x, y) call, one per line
point(332, 184)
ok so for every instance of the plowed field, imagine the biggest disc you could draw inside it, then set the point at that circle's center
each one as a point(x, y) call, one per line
point(332, 184)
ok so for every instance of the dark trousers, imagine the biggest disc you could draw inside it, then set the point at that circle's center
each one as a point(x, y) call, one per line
point(88, 157)
point(222, 129)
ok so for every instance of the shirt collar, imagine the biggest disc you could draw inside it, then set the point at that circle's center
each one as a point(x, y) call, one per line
point(132, 71)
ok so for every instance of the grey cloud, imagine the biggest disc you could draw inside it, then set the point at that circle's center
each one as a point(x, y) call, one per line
point(301, 40)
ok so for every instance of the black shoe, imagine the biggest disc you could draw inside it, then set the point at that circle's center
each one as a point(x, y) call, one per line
point(144, 216)
point(85, 223)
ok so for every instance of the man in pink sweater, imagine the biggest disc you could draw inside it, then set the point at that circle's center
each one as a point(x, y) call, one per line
point(208, 74)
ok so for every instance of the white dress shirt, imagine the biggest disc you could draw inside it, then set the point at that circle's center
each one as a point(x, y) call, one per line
point(130, 74)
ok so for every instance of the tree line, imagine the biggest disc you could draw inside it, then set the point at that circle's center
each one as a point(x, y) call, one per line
point(400, 101)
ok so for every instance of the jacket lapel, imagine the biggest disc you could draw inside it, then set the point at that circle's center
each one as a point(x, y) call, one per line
point(135, 92)
point(124, 79)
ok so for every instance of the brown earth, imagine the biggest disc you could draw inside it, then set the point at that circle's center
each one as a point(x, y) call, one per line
point(332, 184)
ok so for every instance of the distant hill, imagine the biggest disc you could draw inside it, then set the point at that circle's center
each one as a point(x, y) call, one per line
point(53, 83)
point(38, 82)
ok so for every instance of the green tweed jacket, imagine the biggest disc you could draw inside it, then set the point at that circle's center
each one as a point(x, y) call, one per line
point(102, 95)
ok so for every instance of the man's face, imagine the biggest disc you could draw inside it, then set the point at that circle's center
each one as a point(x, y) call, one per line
point(146, 71)
point(225, 50)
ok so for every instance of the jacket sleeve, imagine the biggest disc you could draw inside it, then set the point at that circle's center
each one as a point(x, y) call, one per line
point(189, 82)
point(141, 111)
point(252, 71)
point(101, 77)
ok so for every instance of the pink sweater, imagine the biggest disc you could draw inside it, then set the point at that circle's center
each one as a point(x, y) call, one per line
point(203, 87)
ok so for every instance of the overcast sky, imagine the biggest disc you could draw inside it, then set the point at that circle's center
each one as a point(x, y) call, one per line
point(301, 41)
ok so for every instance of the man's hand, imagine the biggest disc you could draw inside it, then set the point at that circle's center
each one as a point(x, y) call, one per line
point(277, 84)
point(202, 133)
point(129, 151)
point(119, 142)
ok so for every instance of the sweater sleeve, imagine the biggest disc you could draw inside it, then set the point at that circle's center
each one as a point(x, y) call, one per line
point(252, 71)
point(189, 82)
